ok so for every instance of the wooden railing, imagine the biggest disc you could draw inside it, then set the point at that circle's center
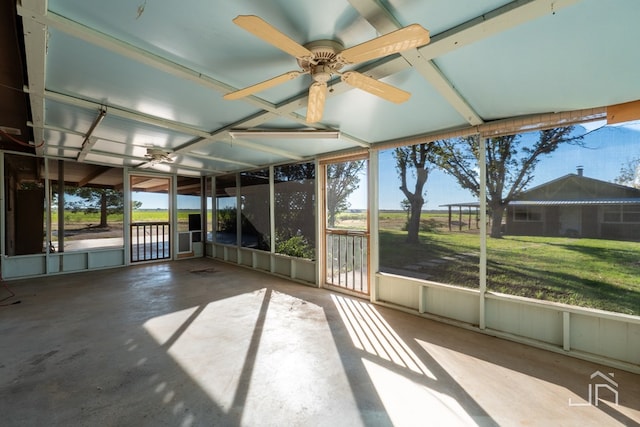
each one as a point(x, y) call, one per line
point(347, 259)
point(150, 241)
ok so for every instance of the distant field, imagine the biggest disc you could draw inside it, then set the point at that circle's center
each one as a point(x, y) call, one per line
point(148, 215)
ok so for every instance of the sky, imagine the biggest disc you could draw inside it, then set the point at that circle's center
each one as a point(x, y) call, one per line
point(161, 201)
point(606, 149)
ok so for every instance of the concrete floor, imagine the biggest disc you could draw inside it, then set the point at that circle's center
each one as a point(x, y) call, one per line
point(201, 343)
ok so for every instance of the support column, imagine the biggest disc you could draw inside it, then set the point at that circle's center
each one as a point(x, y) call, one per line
point(373, 217)
point(3, 212)
point(61, 208)
point(272, 220)
point(483, 228)
point(126, 214)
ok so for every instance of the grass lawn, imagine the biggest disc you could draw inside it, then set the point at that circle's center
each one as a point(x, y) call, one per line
point(595, 273)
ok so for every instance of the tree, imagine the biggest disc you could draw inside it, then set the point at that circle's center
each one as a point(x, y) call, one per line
point(104, 200)
point(342, 180)
point(417, 158)
point(510, 165)
point(629, 173)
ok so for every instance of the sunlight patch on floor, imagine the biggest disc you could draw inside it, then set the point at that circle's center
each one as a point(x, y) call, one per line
point(210, 342)
point(411, 404)
point(162, 328)
point(371, 333)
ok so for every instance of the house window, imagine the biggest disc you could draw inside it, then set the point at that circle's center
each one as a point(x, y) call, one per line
point(622, 213)
point(527, 213)
point(631, 213)
point(612, 214)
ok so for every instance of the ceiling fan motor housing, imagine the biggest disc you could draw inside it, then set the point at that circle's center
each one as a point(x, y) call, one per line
point(323, 64)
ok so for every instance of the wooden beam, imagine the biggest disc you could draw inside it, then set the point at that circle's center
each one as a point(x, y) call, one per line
point(96, 172)
point(625, 112)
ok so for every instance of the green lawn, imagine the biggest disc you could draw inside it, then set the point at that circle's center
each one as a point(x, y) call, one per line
point(595, 273)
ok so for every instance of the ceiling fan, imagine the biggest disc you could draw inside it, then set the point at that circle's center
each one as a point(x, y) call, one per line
point(158, 155)
point(323, 58)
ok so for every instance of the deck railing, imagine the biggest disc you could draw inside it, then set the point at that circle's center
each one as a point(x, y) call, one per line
point(150, 241)
point(347, 259)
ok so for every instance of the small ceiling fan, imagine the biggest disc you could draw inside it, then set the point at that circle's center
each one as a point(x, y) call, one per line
point(158, 155)
point(323, 58)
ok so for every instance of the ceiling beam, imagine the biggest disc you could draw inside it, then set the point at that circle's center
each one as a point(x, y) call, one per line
point(498, 20)
point(35, 42)
point(195, 186)
point(276, 151)
point(219, 159)
point(78, 133)
point(626, 112)
point(96, 172)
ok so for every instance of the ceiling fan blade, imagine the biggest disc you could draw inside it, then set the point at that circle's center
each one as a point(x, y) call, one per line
point(397, 41)
point(315, 107)
point(258, 87)
point(262, 29)
point(375, 87)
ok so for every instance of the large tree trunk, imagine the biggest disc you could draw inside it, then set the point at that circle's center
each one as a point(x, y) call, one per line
point(413, 224)
point(103, 210)
point(496, 220)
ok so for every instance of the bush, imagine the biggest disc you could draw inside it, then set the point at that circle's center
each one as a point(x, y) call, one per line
point(296, 246)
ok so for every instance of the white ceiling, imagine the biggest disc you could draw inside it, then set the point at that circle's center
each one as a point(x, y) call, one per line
point(160, 68)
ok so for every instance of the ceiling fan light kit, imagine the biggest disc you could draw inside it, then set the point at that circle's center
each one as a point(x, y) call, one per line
point(322, 59)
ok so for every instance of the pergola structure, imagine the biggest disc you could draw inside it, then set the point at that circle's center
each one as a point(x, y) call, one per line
point(472, 209)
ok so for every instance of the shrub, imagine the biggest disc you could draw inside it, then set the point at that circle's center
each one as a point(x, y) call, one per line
point(296, 246)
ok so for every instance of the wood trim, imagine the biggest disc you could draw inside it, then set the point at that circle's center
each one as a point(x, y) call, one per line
point(625, 112)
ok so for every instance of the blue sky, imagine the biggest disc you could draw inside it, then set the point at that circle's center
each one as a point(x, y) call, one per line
point(161, 201)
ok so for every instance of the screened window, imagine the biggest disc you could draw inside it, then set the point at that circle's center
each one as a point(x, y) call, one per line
point(428, 220)
point(294, 210)
point(622, 213)
point(87, 206)
point(612, 214)
point(254, 190)
point(226, 210)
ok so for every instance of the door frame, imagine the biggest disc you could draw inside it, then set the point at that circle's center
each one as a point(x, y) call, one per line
point(323, 229)
point(128, 213)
